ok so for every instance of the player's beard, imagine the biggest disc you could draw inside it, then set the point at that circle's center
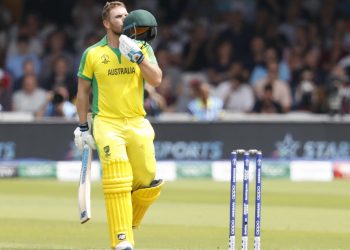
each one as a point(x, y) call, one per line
point(117, 31)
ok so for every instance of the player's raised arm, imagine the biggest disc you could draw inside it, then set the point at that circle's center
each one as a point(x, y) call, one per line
point(151, 73)
point(141, 25)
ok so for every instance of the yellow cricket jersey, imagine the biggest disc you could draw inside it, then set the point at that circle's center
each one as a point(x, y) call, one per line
point(117, 83)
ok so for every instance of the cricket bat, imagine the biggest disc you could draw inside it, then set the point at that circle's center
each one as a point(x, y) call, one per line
point(84, 200)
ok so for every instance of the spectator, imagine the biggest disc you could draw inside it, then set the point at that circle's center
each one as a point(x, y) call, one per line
point(296, 64)
point(168, 40)
point(32, 28)
point(57, 104)
point(14, 62)
point(5, 91)
point(302, 38)
point(204, 106)
point(170, 69)
point(30, 98)
point(306, 92)
point(338, 85)
point(261, 21)
point(28, 69)
point(154, 103)
point(334, 54)
point(86, 18)
point(314, 35)
point(260, 70)
point(56, 47)
point(237, 95)
point(281, 90)
point(167, 92)
point(5, 21)
point(256, 53)
point(194, 53)
point(237, 33)
point(345, 61)
point(312, 61)
point(183, 90)
point(266, 103)
point(288, 26)
point(219, 68)
point(61, 76)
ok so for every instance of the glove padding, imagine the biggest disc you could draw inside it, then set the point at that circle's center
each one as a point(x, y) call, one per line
point(83, 137)
point(130, 50)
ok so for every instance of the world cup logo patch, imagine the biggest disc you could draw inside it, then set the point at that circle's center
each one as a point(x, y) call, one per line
point(105, 59)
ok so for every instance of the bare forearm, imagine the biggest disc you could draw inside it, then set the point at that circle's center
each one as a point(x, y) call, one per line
point(83, 103)
point(151, 73)
point(82, 107)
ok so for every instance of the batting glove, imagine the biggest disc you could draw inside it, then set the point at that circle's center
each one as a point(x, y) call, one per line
point(83, 136)
point(130, 50)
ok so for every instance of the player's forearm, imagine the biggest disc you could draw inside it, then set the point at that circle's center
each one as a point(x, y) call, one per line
point(151, 73)
point(82, 102)
point(82, 107)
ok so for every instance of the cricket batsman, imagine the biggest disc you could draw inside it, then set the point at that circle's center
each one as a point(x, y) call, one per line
point(115, 70)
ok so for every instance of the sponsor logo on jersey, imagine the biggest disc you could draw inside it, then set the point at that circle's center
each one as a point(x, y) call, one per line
point(106, 149)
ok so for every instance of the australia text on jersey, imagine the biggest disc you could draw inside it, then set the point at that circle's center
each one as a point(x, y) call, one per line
point(121, 71)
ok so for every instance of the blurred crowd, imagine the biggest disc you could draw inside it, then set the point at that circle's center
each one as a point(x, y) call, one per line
point(247, 56)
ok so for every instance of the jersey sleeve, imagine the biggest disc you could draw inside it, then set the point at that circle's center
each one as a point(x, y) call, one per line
point(149, 53)
point(85, 68)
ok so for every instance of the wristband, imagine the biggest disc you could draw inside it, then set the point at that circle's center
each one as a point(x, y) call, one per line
point(83, 126)
point(140, 60)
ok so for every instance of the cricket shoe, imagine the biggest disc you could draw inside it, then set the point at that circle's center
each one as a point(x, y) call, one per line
point(124, 245)
point(155, 183)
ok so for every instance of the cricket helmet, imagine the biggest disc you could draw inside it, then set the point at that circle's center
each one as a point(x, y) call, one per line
point(140, 25)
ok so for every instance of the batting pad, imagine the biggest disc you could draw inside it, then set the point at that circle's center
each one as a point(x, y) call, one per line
point(142, 199)
point(117, 182)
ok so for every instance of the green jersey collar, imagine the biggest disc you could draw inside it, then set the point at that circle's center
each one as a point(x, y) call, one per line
point(103, 41)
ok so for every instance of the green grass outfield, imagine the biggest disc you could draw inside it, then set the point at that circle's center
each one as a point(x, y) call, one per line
point(190, 214)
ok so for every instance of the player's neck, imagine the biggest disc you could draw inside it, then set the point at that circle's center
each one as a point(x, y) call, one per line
point(113, 40)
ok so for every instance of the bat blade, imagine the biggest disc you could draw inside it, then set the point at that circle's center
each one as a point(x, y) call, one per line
point(84, 201)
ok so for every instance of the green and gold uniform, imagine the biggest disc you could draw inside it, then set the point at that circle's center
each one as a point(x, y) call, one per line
point(123, 136)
